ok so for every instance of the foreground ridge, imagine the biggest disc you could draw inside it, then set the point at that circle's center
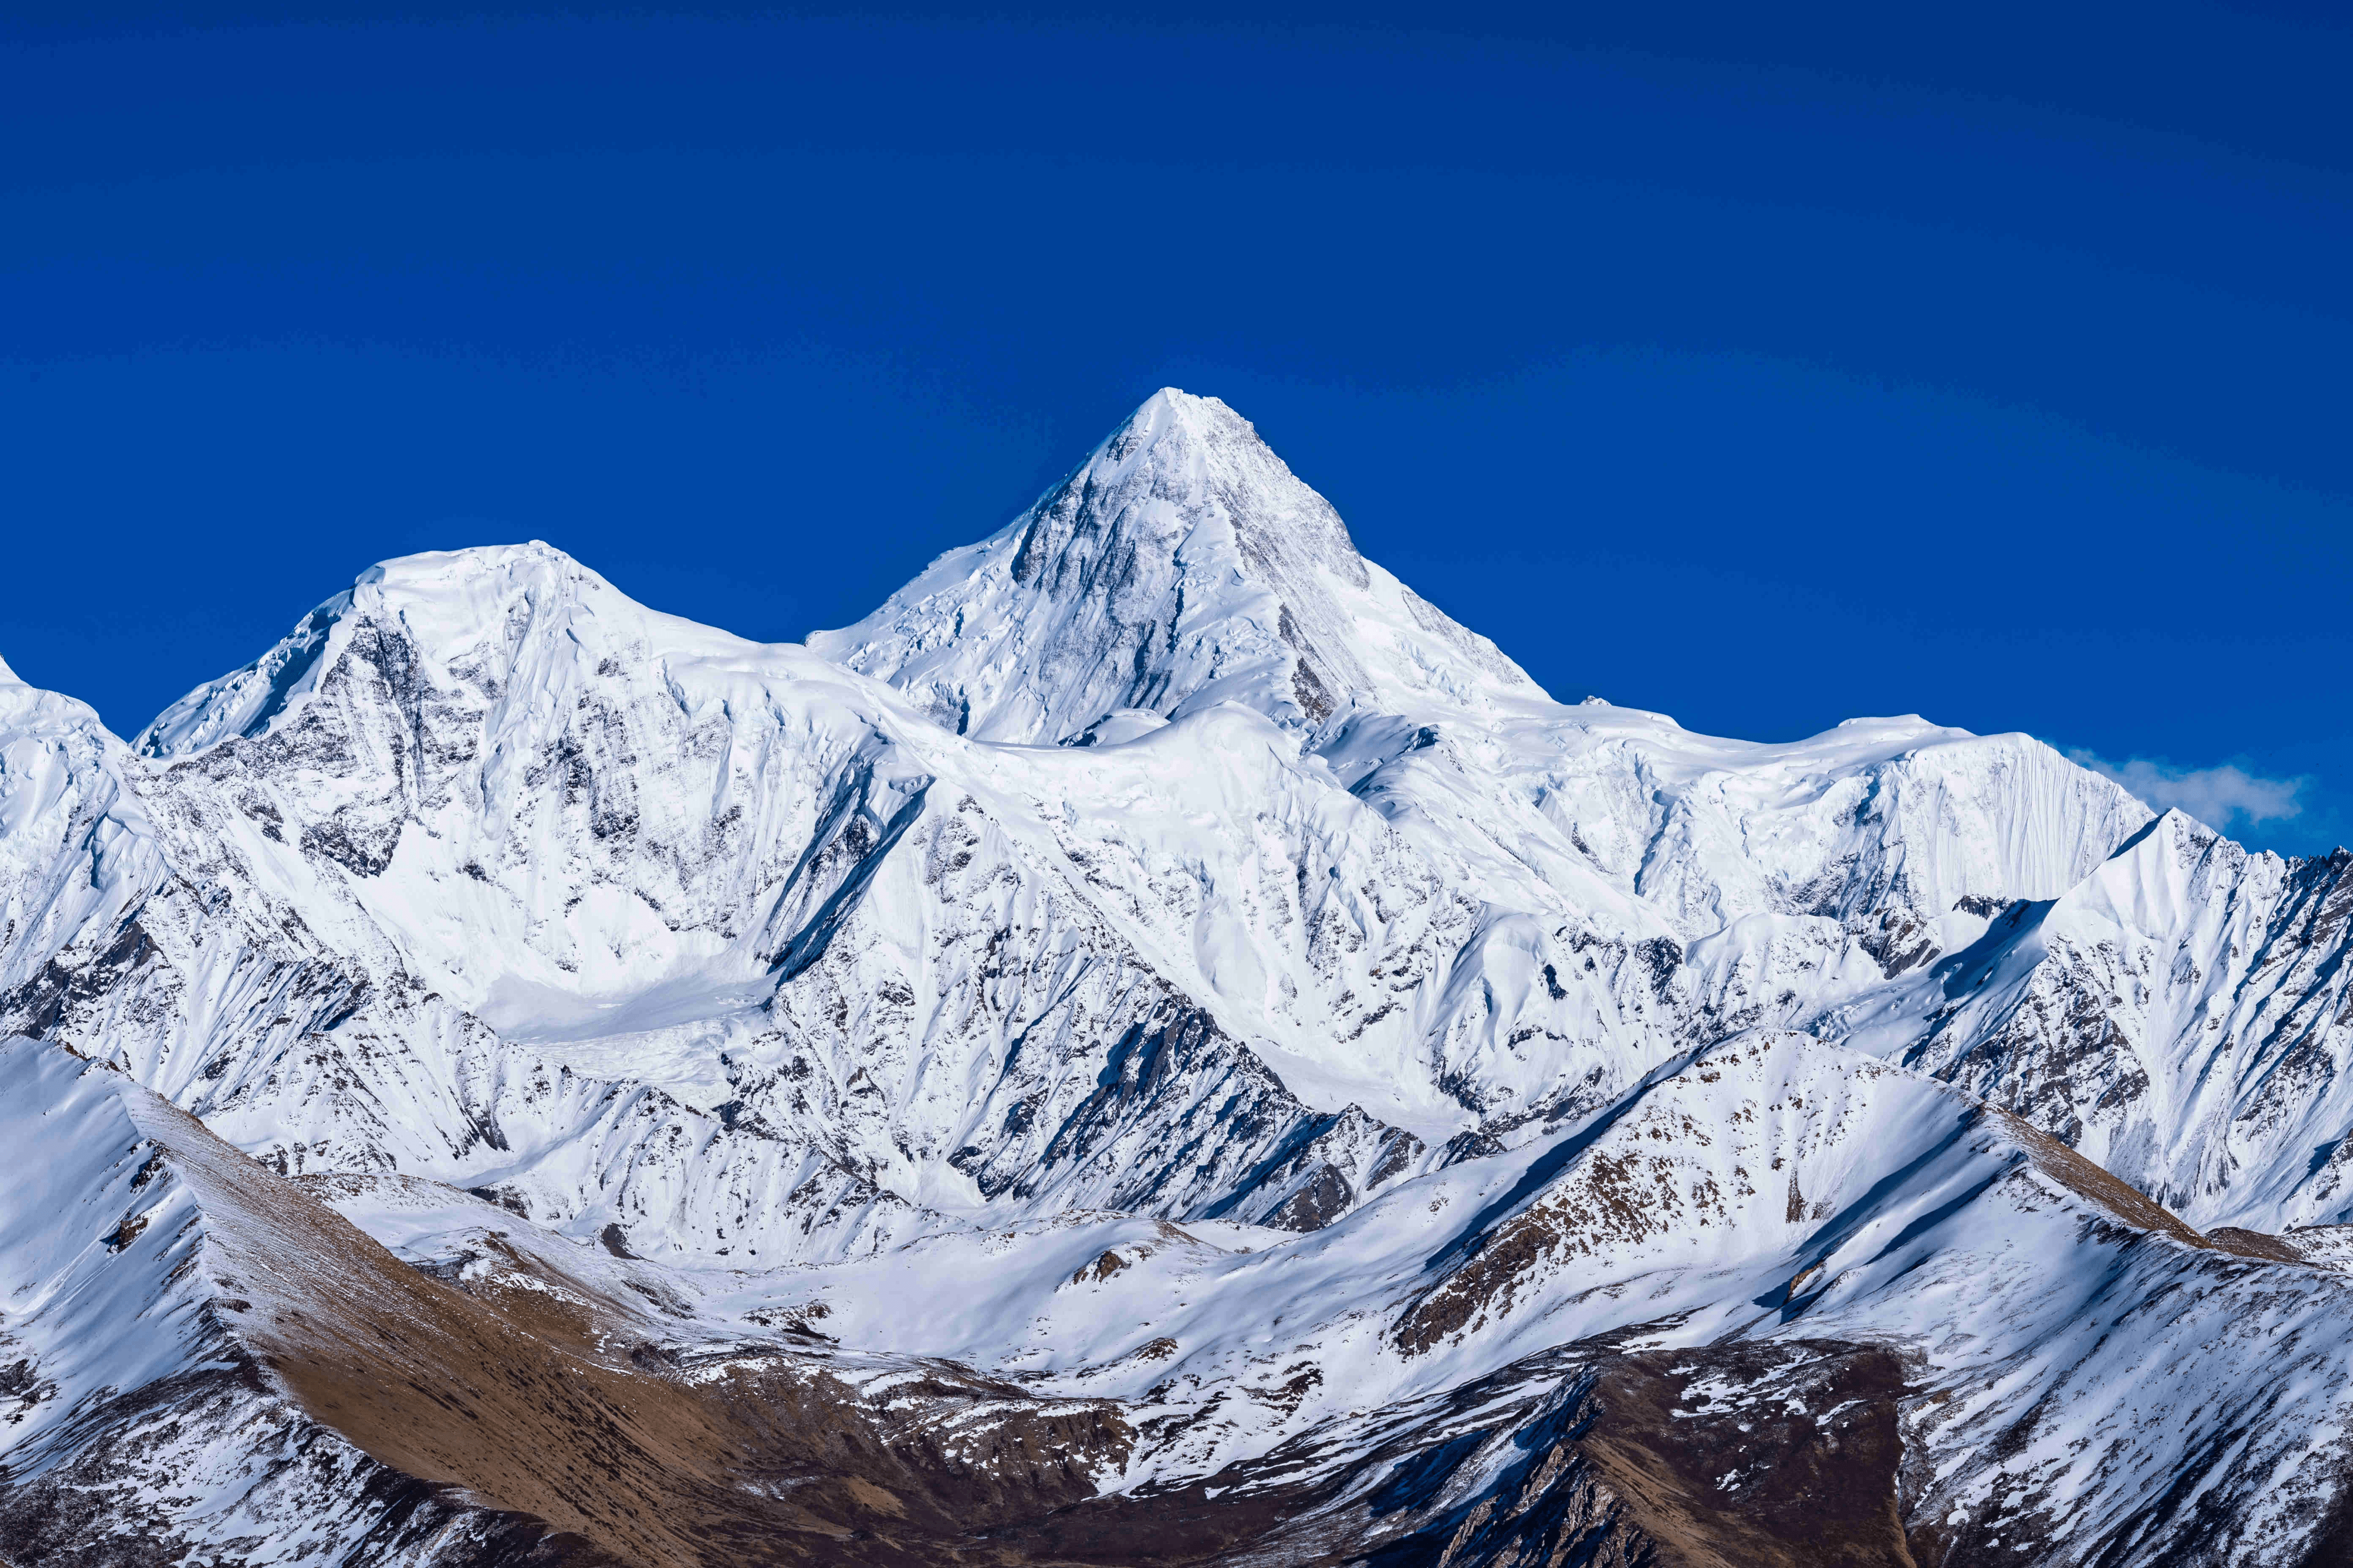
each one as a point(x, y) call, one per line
point(1155, 1046)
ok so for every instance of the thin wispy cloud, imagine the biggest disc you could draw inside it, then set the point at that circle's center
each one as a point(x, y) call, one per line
point(2214, 795)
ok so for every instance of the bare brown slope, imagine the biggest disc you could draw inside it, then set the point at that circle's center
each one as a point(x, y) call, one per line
point(1797, 1468)
point(770, 1460)
point(1584, 1453)
point(2132, 1205)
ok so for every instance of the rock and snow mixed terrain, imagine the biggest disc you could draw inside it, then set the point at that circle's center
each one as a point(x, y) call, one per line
point(1156, 1046)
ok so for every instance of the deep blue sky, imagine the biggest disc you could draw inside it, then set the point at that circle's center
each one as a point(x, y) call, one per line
point(1989, 363)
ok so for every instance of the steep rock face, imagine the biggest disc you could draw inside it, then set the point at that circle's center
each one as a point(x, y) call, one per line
point(2181, 1017)
point(1664, 888)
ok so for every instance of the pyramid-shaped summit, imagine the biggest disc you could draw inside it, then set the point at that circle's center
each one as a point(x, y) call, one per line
point(1181, 565)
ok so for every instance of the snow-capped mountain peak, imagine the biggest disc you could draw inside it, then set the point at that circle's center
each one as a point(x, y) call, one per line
point(485, 601)
point(1178, 973)
point(1182, 564)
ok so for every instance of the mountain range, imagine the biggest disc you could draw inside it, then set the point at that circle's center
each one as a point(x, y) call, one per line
point(1158, 1046)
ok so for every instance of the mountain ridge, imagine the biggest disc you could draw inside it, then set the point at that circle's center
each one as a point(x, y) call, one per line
point(1154, 926)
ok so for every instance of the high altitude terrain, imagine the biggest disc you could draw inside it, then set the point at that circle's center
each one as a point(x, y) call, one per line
point(1158, 1046)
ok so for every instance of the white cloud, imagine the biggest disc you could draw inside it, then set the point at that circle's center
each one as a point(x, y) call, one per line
point(2213, 795)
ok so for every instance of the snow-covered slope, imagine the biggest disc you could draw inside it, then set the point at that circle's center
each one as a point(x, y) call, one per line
point(519, 884)
point(1781, 1296)
point(207, 1363)
point(1180, 566)
point(2184, 1016)
point(1771, 1201)
point(74, 848)
point(1161, 862)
